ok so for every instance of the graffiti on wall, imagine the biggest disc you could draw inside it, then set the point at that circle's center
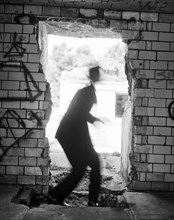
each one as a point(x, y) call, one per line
point(9, 118)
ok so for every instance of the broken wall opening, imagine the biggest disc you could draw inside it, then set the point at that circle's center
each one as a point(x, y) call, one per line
point(77, 30)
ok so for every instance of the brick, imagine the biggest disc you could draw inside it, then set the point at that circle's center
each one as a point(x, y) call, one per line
point(161, 27)
point(129, 34)
point(13, 28)
point(26, 180)
point(43, 143)
point(42, 86)
point(27, 161)
point(166, 17)
point(144, 167)
point(8, 179)
point(144, 130)
point(149, 16)
point(32, 9)
point(32, 39)
point(154, 102)
point(29, 29)
point(171, 66)
point(166, 37)
point(35, 58)
point(13, 9)
point(147, 55)
point(165, 56)
point(143, 186)
point(154, 158)
point(137, 64)
point(42, 180)
point(169, 159)
point(44, 105)
point(144, 111)
point(69, 12)
point(160, 186)
point(112, 14)
point(146, 74)
point(10, 85)
point(162, 149)
point(9, 161)
point(137, 45)
point(40, 77)
point(16, 76)
point(51, 11)
point(143, 148)
point(162, 93)
point(169, 177)
point(156, 140)
point(3, 75)
point(43, 161)
point(88, 13)
point(158, 84)
point(2, 170)
point(33, 152)
point(169, 121)
point(3, 93)
point(147, 35)
point(33, 171)
point(163, 131)
point(134, 25)
point(16, 132)
point(30, 86)
point(160, 46)
point(15, 151)
point(158, 65)
point(169, 140)
point(161, 168)
point(155, 177)
point(30, 48)
point(148, 45)
point(130, 15)
point(29, 142)
point(143, 93)
point(17, 94)
point(119, 25)
point(14, 170)
point(5, 18)
point(29, 105)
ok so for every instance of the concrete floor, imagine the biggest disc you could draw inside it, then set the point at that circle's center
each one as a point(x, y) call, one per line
point(142, 206)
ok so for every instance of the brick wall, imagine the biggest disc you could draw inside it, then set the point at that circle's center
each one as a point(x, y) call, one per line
point(24, 92)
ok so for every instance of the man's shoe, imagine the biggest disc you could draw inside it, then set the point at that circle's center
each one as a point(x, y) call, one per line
point(92, 204)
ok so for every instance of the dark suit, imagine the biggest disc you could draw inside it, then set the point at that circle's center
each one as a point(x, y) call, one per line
point(74, 138)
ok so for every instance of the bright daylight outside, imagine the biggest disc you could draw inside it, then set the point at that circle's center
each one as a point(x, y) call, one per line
point(69, 60)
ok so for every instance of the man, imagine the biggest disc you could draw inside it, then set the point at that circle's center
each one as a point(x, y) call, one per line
point(73, 135)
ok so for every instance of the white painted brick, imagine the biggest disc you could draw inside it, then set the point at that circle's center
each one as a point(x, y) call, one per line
point(27, 161)
point(153, 102)
point(170, 140)
point(147, 55)
point(13, 28)
point(156, 140)
point(15, 170)
point(144, 111)
point(147, 74)
point(165, 56)
point(162, 149)
point(154, 158)
point(144, 167)
point(11, 104)
point(166, 37)
point(143, 148)
point(10, 85)
point(158, 121)
point(147, 35)
point(163, 131)
point(169, 177)
point(33, 171)
point(28, 29)
point(161, 168)
point(112, 14)
point(33, 9)
point(158, 65)
point(128, 15)
point(33, 152)
point(160, 46)
point(169, 159)
point(9, 161)
point(161, 112)
point(155, 177)
point(163, 93)
point(26, 180)
point(161, 84)
point(29, 105)
point(144, 93)
point(149, 16)
point(88, 12)
point(165, 27)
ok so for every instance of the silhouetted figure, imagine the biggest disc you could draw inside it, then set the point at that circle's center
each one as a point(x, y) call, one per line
point(73, 135)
